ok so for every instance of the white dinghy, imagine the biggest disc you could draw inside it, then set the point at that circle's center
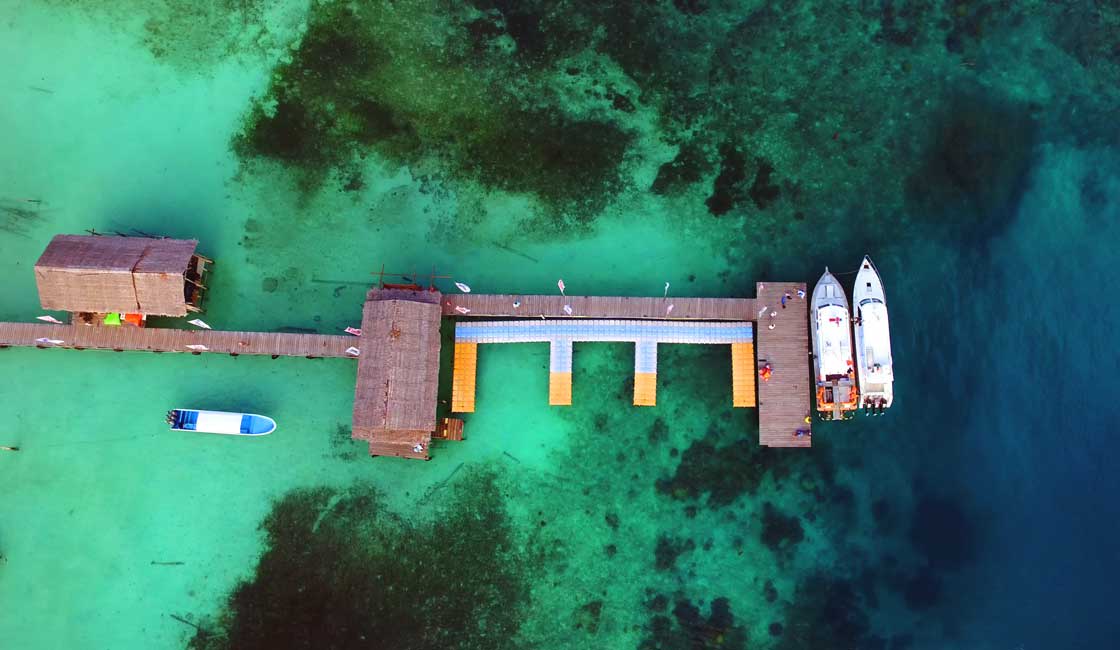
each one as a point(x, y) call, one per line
point(234, 424)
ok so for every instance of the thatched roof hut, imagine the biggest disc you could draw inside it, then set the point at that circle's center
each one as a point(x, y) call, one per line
point(101, 274)
point(398, 372)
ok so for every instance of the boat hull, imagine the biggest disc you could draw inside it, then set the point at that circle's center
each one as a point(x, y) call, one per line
point(221, 422)
point(834, 367)
point(874, 363)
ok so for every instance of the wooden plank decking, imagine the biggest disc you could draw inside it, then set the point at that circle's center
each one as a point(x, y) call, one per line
point(783, 402)
point(158, 339)
point(534, 306)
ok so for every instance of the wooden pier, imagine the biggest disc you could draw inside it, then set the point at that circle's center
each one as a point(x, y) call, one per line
point(549, 306)
point(398, 366)
point(784, 400)
point(158, 339)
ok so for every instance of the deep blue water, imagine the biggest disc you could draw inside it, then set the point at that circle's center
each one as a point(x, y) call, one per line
point(1009, 359)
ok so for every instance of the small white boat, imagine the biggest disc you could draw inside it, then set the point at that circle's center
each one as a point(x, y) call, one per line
point(234, 424)
point(831, 328)
point(875, 366)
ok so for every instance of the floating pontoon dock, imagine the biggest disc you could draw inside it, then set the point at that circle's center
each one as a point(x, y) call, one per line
point(560, 334)
point(783, 401)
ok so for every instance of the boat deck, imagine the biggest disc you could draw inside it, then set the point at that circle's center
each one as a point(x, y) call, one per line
point(160, 339)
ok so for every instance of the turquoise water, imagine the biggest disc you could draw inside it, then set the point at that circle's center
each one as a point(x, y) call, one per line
point(969, 148)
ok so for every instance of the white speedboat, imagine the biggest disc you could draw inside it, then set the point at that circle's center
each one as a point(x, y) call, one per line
point(874, 365)
point(831, 327)
point(234, 424)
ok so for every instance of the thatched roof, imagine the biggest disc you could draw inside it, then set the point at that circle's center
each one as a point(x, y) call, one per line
point(114, 274)
point(398, 371)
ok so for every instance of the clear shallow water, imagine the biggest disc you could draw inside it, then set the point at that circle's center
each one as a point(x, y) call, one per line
point(977, 514)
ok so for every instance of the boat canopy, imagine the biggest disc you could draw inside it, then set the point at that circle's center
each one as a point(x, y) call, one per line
point(833, 327)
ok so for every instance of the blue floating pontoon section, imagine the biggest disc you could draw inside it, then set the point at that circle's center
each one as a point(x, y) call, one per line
point(633, 331)
point(560, 356)
point(643, 333)
point(645, 357)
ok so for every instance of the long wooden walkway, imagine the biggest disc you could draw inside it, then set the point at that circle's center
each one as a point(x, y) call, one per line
point(784, 400)
point(535, 306)
point(157, 339)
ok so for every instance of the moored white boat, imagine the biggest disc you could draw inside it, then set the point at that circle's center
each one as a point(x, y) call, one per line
point(874, 364)
point(234, 424)
point(830, 327)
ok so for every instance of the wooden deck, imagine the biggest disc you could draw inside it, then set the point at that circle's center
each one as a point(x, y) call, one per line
point(158, 339)
point(449, 429)
point(784, 401)
point(534, 306)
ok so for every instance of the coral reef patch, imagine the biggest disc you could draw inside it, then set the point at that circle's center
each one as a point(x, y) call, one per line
point(341, 570)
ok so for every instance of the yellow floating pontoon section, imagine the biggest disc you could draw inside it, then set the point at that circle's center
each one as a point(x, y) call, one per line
point(560, 388)
point(645, 389)
point(464, 370)
point(742, 374)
